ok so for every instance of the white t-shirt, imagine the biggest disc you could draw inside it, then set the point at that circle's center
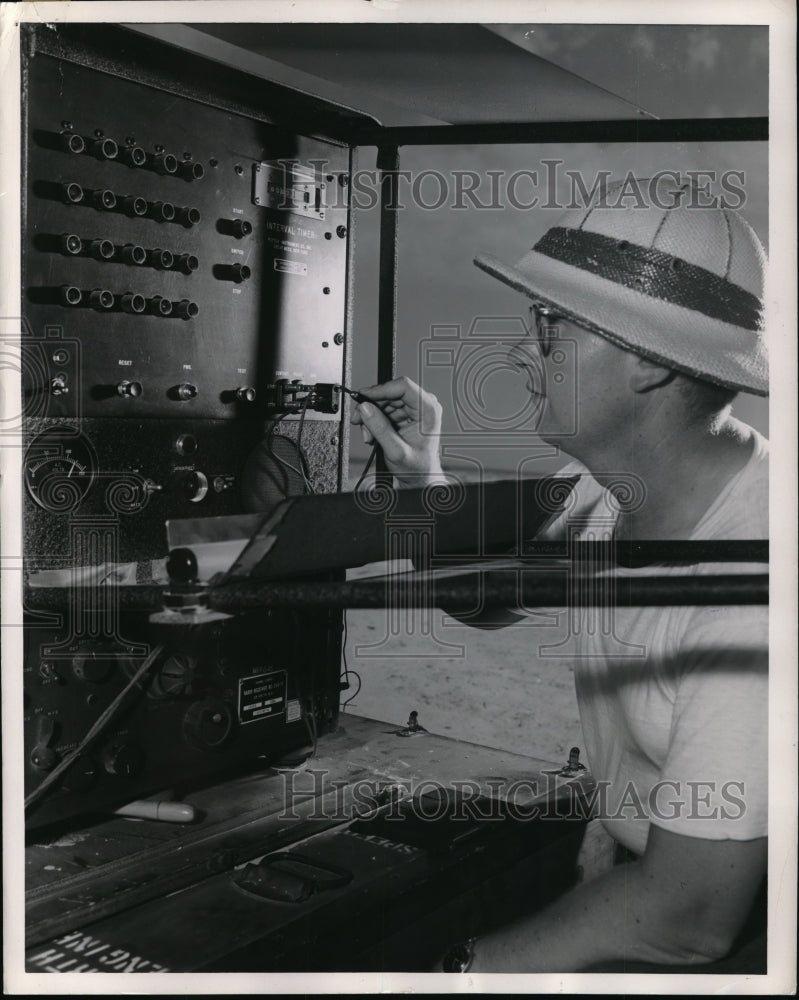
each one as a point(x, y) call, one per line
point(673, 700)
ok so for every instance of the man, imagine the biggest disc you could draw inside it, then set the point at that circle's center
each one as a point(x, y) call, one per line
point(663, 305)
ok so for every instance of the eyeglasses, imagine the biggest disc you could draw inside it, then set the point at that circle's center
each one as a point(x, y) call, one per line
point(546, 323)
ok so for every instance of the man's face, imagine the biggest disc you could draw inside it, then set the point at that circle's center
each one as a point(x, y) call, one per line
point(580, 387)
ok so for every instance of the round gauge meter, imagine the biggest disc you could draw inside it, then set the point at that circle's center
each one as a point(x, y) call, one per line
point(60, 467)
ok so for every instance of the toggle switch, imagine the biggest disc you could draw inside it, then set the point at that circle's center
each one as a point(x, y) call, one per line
point(43, 756)
point(224, 484)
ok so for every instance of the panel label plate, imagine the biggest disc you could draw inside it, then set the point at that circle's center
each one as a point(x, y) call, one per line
point(262, 696)
point(290, 266)
point(288, 188)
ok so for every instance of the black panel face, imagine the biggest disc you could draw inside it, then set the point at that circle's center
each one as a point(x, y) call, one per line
point(177, 259)
point(144, 241)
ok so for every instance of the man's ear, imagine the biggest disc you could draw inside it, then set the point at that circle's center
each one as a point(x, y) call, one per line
point(647, 375)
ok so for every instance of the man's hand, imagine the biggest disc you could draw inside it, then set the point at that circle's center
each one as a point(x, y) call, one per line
point(406, 423)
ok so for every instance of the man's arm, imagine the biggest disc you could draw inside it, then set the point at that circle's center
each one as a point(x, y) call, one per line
point(683, 903)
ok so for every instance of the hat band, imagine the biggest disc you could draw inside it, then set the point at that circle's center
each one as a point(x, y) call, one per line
point(653, 273)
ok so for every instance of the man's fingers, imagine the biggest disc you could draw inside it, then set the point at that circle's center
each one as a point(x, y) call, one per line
point(382, 430)
point(366, 434)
point(396, 388)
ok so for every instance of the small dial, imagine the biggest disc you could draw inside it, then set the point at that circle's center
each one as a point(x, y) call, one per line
point(60, 468)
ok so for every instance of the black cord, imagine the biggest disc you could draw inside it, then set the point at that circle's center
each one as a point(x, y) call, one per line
point(344, 680)
point(366, 469)
point(305, 403)
point(271, 435)
point(352, 697)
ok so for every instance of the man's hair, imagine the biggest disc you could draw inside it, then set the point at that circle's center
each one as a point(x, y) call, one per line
point(704, 399)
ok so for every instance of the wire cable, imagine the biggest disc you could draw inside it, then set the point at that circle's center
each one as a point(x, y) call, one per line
point(366, 469)
point(352, 697)
point(271, 436)
point(305, 403)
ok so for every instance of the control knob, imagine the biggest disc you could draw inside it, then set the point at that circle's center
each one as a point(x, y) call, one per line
point(129, 390)
point(184, 391)
point(43, 756)
point(125, 760)
point(186, 444)
point(208, 724)
point(195, 486)
point(91, 667)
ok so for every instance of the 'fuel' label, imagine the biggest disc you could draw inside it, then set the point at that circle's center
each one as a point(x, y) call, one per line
point(262, 696)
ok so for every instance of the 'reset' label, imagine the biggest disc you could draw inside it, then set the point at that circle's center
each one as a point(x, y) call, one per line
point(262, 696)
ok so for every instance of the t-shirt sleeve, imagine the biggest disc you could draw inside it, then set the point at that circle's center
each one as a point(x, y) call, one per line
point(714, 782)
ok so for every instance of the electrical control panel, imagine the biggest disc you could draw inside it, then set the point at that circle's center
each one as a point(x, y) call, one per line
point(199, 255)
point(184, 290)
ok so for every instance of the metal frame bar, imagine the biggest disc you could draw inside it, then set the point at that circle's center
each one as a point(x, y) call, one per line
point(492, 588)
point(754, 129)
point(388, 165)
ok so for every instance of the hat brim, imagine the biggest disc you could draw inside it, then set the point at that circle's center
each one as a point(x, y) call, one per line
point(672, 335)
